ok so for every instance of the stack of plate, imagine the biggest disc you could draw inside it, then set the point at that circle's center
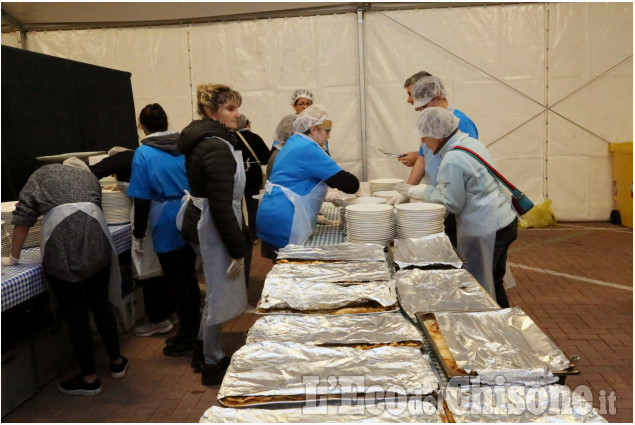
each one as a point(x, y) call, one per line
point(6, 242)
point(370, 223)
point(355, 201)
point(419, 219)
point(386, 194)
point(32, 239)
point(116, 206)
point(378, 185)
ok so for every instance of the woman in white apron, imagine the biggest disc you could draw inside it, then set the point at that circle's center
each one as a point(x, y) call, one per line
point(157, 183)
point(212, 219)
point(299, 181)
point(78, 260)
point(486, 221)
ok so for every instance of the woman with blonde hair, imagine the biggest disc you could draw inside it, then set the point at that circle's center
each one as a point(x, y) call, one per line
point(212, 218)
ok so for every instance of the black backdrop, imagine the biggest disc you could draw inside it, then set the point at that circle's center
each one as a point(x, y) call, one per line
point(52, 106)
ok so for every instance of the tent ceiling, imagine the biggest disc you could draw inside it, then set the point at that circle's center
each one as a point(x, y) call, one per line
point(40, 16)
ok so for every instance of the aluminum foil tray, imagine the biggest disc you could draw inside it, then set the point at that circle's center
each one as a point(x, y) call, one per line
point(272, 369)
point(331, 272)
point(508, 404)
point(427, 251)
point(341, 252)
point(323, 297)
point(503, 343)
point(441, 290)
point(318, 330)
point(412, 412)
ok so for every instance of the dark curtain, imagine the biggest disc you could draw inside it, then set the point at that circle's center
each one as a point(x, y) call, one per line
point(52, 106)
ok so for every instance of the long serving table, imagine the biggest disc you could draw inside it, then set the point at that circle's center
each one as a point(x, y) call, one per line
point(331, 234)
point(26, 279)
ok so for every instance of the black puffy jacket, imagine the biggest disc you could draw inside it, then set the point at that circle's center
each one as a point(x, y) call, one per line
point(210, 168)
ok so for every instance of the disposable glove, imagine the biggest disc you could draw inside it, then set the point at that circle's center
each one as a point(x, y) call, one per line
point(9, 261)
point(331, 196)
point(403, 188)
point(416, 192)
point(235, 267)
point(137, 245)
point(397, 199)
point(323, 220)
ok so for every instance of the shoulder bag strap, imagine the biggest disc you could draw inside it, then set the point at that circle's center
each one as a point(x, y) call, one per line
point(491, 169)
point(248, 147)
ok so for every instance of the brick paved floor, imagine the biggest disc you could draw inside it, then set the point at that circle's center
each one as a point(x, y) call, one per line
point(575, 280)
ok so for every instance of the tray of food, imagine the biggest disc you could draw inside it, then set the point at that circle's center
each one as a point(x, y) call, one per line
point(345, 272)
point(267, 372)
point(490, 344)
point(344, 252)
point(433, 251)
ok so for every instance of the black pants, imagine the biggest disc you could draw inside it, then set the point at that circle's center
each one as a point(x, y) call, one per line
point(504, 238)
point(76, 298)
point(158, 300)
point(450, 228)
point(179, 270)
point(252, 211)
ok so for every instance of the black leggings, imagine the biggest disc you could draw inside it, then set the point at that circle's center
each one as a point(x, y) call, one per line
point(76, 298)
point(179, 269)
point(504, 238)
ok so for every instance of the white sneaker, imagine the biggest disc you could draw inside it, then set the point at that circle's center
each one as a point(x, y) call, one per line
point(149, 329)
point(174, 318)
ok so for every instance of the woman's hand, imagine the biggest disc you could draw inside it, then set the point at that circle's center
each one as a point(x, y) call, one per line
point(9, 261)
point(409, 158)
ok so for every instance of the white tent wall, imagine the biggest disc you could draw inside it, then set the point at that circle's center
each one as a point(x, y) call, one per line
point(548, 85)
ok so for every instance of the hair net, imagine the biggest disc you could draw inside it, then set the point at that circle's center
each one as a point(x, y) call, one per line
point(425, 89)
point(436, 122)
point(307, 94)
point(313, 115)
point(284, 129)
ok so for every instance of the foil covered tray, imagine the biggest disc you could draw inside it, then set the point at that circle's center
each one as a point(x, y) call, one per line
point(441, 290)
point(413, 412)
point(431, 251)
point(504, 344)
point(331, 272)
point(284, 372)
point(340, 252)
point(518, 404)
point(292, 296)
point(382, 328)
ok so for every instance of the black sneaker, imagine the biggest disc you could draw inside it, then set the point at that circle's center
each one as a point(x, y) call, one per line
point(77, 386)
point(179, 348)
point(198, 358)
point(118, 371)
point(214, 374)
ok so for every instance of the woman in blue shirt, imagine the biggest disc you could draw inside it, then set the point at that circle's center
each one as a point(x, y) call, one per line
point(301, 176)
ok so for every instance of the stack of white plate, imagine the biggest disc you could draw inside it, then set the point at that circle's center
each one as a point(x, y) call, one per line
point(355, 201)
point(370, 223)
point(419, 219)
point(6, 242)
point(378, 185)
point(116, 206)
point(386, 194)
point(32, 239)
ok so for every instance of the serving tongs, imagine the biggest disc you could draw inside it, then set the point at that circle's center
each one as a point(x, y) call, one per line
point(390, 154)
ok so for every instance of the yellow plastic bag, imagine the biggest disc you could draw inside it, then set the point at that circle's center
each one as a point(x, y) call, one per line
point(539, 216)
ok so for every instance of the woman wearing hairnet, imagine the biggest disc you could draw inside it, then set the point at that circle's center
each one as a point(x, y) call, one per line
point(486, 221)
point(301, 176)
point(213, 220)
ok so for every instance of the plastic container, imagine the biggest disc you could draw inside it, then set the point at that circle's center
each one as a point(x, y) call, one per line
point(623, 180)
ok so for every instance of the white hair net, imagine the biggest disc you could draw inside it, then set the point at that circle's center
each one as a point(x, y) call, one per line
point(307, 94)
point(425, 89)
point(313, 115)
point(284, 129)
point(436, 122)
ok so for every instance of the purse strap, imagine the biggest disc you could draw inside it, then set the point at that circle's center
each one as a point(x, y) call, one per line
point(491, 169)
point(248, 147)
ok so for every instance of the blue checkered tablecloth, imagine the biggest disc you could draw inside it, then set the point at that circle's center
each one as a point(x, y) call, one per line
point(26, 279)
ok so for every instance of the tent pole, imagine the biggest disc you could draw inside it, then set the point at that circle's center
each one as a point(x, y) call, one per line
point(362, 93)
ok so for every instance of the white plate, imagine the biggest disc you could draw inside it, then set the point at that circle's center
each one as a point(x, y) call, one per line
point(365, 200)
point(53, 159)
point(9, 206)
point(369, 208)
point(385, 181)
point(421, 206)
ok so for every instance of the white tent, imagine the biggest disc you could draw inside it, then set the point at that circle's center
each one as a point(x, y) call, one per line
point(549, 85)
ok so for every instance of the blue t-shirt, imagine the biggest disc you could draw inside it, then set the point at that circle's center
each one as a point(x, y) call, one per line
point(433, 161)
point(300, 166)
point(160, 176)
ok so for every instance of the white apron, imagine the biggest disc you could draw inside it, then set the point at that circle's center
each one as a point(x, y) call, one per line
point(56, 215)
point(225, 297)
point(306, 209)
point(147, 264)
point(476, 235)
